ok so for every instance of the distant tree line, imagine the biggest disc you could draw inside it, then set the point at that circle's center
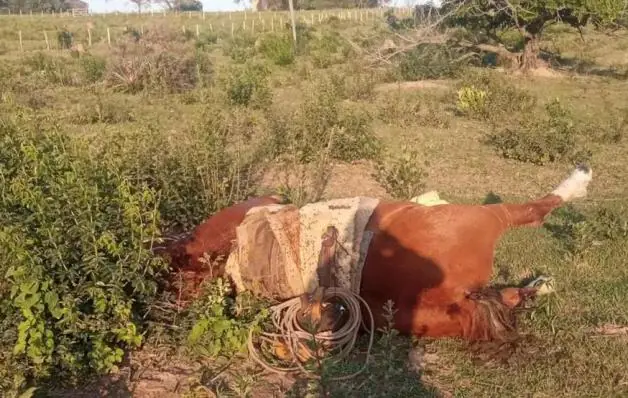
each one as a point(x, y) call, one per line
point(40, 5)
point(315, 4)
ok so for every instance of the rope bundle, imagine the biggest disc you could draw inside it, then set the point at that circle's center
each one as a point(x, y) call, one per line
point(288, 329)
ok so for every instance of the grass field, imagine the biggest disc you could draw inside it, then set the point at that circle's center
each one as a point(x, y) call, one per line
point(106, 148)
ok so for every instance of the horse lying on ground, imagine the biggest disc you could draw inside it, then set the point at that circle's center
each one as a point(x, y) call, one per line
point(433, 262)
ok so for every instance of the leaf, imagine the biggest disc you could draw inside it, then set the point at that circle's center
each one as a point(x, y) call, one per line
point(28, 393)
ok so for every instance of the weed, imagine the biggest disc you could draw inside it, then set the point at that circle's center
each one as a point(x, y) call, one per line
point(220, 324)
point(403, 176)
point(486, 95)
point(578, 232)
point(93, 68)
point(53, 69)
point(75, 306)
point(240, 48)
point(540, 141)
point(152, 64)
point(248, 85)
point(409, 109)
point(322, 122)
point(206, 40)
point(65, 39)
point(278, 48)
point(430, 61)
point(103, 110)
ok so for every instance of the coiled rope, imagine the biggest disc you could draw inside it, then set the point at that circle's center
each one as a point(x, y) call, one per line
point(288, 330)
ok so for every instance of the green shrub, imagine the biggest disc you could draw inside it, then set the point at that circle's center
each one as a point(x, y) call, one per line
point(402, 175)
point(103, 109)
point(328, 49)
point(93, 68)
point(431, 61)
point(75, 240)
point(248, 85)
point(486, 95)
point(579, 232)
point(553, 138)
point(65, 39)
point(240, 48)
point(322, 122)
point(53, 69)
point(158, 62)
point(219, 324)
point(278, 48)
point(413, 109)
point(206, 40)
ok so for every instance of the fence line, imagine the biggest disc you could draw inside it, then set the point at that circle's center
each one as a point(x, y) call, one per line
point(239, 22)
point(352, 13)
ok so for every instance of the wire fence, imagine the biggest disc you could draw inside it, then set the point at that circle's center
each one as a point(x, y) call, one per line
point(39, 31)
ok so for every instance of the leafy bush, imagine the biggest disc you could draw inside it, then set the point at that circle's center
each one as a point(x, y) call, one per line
point(322, 122)
point(93, 68)
point(103, 110)
point(53, 69)
point(240, 48)
point(219, 324)
point(75, 237)
point(156, 62)
point(580, 232)
point(248, 85)
point(540, 140)
point(278, 47)
point(431, 61)
point(328, 49)
point(489, 96)
point(65, 39)
point(206, 40)
point(403, 175)
point(413, 109)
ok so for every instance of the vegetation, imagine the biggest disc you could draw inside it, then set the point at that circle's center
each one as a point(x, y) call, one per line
point(108, 149)
point(491, 19)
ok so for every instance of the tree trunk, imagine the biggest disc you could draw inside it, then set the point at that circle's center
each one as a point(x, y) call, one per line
point(530, 55)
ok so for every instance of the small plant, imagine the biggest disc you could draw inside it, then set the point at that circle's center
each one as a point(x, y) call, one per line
point(153, 64)
point(278, 48)
point(323, 122)
point(103, 110)
point(579, 233)
point(241, 48)
point(221, 324)
point(403, 176)
point(488, 96)
point(74, 306)
point(472, 100)
point(65, 39)
point(430, 61)
point(548, 140)
point(413, 109)
point(248, 85)
point(206, 40)
point(93, 68)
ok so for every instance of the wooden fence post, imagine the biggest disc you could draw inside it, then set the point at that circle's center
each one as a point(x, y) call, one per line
point(47, 42)
point(89, 37)
point(21, 44)
point(198, 32)
point(108, 37)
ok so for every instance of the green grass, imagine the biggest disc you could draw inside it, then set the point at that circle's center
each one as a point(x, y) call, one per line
point(214, 130)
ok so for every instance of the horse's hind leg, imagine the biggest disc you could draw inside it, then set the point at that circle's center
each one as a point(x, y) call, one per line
point(534, 213)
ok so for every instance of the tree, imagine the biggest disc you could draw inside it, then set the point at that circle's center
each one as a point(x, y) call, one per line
point(140, 3)
point(261, 5)
point(530, 18)
point(183, 5)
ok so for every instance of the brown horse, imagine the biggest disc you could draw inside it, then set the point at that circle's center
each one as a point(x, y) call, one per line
point(433, 262)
